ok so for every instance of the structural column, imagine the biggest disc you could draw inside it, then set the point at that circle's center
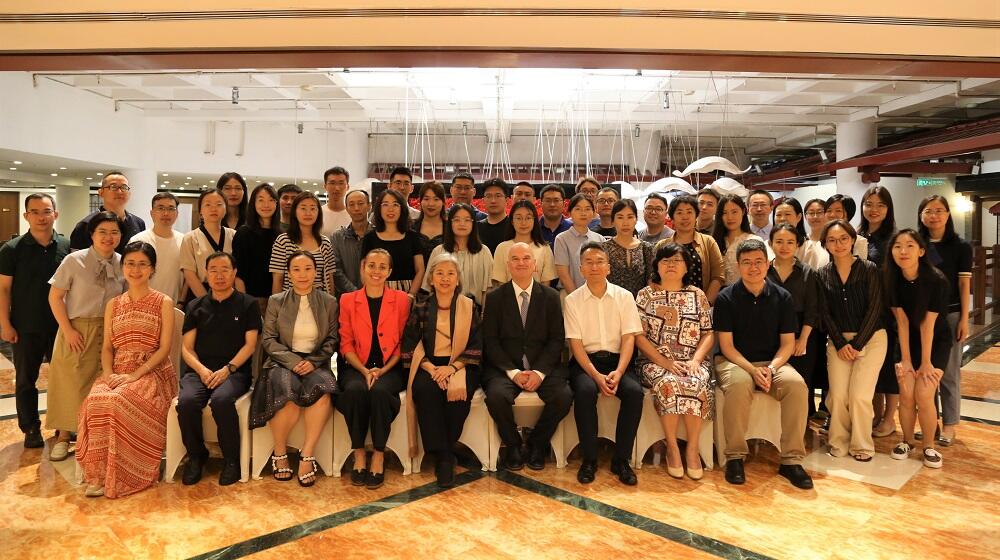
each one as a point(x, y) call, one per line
point(854, 138)
point(72, 203)
point(143, 183)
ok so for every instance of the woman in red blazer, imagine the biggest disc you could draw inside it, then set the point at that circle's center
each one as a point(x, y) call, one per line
point(369, 373)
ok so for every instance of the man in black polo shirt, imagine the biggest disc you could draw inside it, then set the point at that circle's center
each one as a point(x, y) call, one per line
point(493, 228)
point(114, 193)
point(220, 335)
point(26, 322)
point(755, 322)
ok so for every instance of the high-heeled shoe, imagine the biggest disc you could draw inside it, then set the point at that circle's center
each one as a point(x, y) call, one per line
point(695, 474)
point(675, 472)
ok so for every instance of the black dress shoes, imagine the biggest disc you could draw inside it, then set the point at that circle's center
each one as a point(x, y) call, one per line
point(375, 480)
point(33, 439)
point(230, 473)
point(192, 470)
point(536, 457)
point(625, 473)
point(796, 475)
point(587, 471)
point(734, 471)
point(359, 478)
point(512, 459)
point(445, 472)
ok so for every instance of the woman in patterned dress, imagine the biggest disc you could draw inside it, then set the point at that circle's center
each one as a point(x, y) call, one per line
point(123, 419)
point(674, 348)
point(631, 259)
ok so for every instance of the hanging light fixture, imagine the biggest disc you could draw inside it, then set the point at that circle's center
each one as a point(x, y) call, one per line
point(636, 131)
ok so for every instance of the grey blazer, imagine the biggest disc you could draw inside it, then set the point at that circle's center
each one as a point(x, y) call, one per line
point(282, 309)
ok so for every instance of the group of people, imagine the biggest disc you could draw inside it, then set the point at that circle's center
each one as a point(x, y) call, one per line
point(434, 303)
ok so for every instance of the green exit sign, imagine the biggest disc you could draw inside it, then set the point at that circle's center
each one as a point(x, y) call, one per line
point(931, 182)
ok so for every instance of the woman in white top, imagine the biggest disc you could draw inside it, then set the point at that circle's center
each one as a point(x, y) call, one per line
point(524, 228)
point(211, 236)
point(731, 228)
point(300, 336)
point(812, 248)
point(843, 207)
point(475, 262)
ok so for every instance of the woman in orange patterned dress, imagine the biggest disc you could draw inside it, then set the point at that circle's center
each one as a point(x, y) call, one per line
point(123, 419)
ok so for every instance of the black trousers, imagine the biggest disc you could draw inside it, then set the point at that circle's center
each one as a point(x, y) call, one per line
point(369, 409)
point(191, 400)
point(441, 421)
point(585, 393)
point(554, 392)
point(807, 365)
point(30, 351)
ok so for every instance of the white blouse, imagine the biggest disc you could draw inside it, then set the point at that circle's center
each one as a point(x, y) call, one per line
point(305, 332)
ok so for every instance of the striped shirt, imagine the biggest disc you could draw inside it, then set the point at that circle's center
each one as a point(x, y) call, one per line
point(325, 262)
point(852, 307)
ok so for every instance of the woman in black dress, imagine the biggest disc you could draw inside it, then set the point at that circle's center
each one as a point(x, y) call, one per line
point(392, 233)
point(918, 297)
point(253, 242)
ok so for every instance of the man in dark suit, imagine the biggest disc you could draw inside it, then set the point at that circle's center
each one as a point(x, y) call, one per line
point(523, 338)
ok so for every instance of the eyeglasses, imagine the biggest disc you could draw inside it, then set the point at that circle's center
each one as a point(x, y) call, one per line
point(494, 196)
point(815, 214)
point(117, 188)
point(655, 209)
point(388, 205)
point(40, 213)
point(165, 209)
point(935, 212)
point(552, 201)
point(137, 265)
point(759, 263)
point(874, 206)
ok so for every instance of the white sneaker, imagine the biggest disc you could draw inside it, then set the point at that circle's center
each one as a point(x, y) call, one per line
point(933, 459)
point(901, 451)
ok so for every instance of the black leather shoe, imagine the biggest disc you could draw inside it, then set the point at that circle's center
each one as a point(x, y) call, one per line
point(512, 458)
point(797, 476)
point(33, 439)
point(734, 471)
point(230, 474)
point(192, 470)
point(375, 480)
point(359, 478)
point(445, 472)
point(586, 473)
point(536, 457)
point(625, 473)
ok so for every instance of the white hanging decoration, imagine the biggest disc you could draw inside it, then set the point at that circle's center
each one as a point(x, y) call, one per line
point(726, 185)
point(711, 163)
point(667, 184)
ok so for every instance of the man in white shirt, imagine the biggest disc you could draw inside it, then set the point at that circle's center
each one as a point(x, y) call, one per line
point(335, 216)
point(168, 278)
point(601, 322)
point(523, 339)
point(759, 204)
point(401, 181)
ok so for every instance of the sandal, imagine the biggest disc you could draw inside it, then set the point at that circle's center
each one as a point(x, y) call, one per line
point(309, 478)
point(863, 457)
point(276, 470)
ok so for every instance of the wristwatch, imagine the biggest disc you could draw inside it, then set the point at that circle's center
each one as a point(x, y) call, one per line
point(231, 367)
point(770, 368)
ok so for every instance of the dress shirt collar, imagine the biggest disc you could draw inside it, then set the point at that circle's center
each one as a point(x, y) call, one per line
point(518, 290)
point(589, 294)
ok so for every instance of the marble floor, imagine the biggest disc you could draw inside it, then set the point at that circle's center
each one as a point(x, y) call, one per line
point(883, 509)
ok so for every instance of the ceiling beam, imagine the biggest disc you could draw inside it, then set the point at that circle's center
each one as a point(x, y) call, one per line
point(946, 168)
point(978, 143)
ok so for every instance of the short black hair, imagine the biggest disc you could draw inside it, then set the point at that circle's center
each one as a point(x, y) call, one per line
point(622, 204)
point(289, 188)
point(368, 197)
point(577, 199)
point(336, 170)
point(221, 255)
point(763, 192)
point(110, 173)
point(165, 196)
point(101, 217)
point(299, 253)
point(617, 194)
point(496, 182)
point(667, 250)
point(39, 196)
point(141, 247)
point(656, 196)
point(750, 245)
point(682, 199)
point(400, 170)
point(463, 175)
point(552, 187)
point(710, 192)
point(597, 246)
point(850, 207)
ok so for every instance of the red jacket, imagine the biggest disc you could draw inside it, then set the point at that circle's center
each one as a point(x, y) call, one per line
point(356, 323)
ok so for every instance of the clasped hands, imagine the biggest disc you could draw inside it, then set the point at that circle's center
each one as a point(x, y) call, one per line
point(443, 376)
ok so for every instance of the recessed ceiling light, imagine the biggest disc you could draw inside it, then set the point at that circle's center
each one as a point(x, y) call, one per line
point(166, 182)
point(13, 181)
point(90, 178)
point(166, 175)
point(13, 169)
point(51, 185)
point(63, 168)
point(17, 162)
point(163, 186)
point(54, 174)
point(314, 184)
point(188, 178)
point(186, 183)
point(100, 174)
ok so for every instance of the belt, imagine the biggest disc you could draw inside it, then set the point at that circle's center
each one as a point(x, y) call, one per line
point(602, 355)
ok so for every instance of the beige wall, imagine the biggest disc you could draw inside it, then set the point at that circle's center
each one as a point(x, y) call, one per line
point(956, 29)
